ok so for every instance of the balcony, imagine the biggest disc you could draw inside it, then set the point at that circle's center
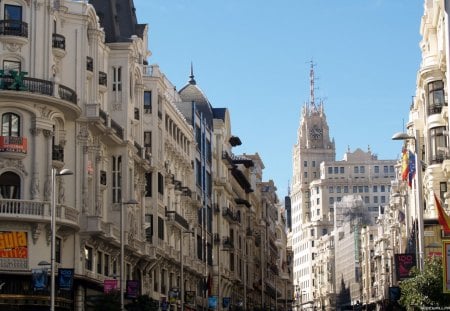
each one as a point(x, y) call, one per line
point(12, 146)
point(175, 218)
point(59, 45)
point(14, 32)
point(227, 242)
point(16, 81)
point(36, 211)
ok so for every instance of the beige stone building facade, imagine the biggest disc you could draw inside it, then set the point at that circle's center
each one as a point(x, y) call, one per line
point(158, 203)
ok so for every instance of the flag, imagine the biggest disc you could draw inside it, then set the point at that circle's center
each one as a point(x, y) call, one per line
point(411, 167)
point(443, 218)
point(405, 162)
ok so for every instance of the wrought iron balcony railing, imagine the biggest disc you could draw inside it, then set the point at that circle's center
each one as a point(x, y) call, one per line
point(59, 41)
point(16, 28)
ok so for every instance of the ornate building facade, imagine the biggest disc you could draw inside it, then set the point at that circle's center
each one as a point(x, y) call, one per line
point(157, 200)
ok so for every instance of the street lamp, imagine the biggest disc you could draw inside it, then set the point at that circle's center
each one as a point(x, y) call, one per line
point(182, 266)
point(122, 249)
point(63, 172)
point(418, 193)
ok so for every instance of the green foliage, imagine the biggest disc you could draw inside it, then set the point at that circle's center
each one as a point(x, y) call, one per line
point(424, 289)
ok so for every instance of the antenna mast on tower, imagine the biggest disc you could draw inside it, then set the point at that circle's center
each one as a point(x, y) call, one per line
point(311, 85)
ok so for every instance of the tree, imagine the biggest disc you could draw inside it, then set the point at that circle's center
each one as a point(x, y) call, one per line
point(424, 289)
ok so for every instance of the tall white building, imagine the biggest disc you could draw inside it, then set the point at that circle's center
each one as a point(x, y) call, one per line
point(319, 181)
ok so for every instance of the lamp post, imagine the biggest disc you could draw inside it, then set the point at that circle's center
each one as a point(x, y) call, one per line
point(122, 249)
point(55, 172)
point(182, 267)
point(418, 194)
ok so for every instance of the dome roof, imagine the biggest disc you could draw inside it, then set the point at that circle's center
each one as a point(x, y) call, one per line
point(191, 93)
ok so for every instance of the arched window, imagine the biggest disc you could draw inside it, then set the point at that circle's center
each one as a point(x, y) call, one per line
point(10, 124)
point(10, 185)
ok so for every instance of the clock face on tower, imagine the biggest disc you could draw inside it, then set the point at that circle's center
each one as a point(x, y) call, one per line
point(315, 132)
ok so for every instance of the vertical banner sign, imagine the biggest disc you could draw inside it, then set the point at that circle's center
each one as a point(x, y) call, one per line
point(226, 302)
point(212, 302)
point(132, 289)
point(39, 279)
point(65, 278)
point(446, 266)
point(110, 286)
point(404, 264)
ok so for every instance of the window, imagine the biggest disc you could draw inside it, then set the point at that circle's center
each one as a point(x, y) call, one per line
point(148, 184)
point(375, 188)
point(376, 169)
point(107, 263)
point(160, 183)
point(385, 169)
point(362, 169)
point(331, 189)
point(383, 199)
point(366, 189)
point(88, 258)
point(148, 142)
point(11, 65)
point(99, 262)
point(117, 79)
point(338, 189)
point(330, 200)
point(305, 163)
point(13, 19)
point(57, 249)
point(438, 144)
point(375, 199)
point(355, 189)
point(330, 170)
point(313, 164)
point(360, 189)
point(198, 170)
point(382, 188)
point(366, 200)
point(305, 174)
point(10, 185)
point(10, 125)
point(160, 228)
point(436, 98)
point(341, 170)
point(345, 189)
point(147, 102)
point(336, 170)
point(339, 199)
point(117, 179)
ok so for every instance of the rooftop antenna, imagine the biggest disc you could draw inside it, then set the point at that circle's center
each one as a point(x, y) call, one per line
point(311, 85)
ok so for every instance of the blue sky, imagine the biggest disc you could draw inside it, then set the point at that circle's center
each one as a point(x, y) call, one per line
point(253, 57)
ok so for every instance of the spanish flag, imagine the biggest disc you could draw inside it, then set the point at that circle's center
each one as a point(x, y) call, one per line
point(405, 164)
point(443, 218)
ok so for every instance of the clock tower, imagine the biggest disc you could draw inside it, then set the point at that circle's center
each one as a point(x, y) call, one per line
point(313, 146)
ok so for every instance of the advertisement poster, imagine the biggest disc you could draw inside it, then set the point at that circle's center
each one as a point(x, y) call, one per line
point(404, 263)
point(39, 279)
point(65, 278)
point(110, 286)
point(13, 250)
point(132, 289)
point(446, 266)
